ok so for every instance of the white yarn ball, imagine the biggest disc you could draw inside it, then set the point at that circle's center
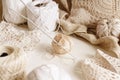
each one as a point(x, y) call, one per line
point(48, 72)
point(17, 6)
point(44, 13)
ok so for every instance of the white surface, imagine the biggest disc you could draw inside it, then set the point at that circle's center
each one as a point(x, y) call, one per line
point(43, 55)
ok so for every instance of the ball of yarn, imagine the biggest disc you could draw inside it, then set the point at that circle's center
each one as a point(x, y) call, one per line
point(48, 72)
point(61, 44)
point(115, 30)
point(44, 13)
point(108, 27)
point(103, 28)
point(12, 63)
point(16, 5)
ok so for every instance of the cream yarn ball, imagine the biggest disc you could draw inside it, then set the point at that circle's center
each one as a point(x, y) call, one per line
point(12, 63)
point(102, 28)
point(108, 27)
point(115, 30)
point(61, 44)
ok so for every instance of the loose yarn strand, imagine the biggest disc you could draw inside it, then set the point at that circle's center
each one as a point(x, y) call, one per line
point(27, 7)
point(73, 58)
point(59, 27)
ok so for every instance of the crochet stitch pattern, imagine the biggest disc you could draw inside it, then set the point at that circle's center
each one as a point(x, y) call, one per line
point(19, 38)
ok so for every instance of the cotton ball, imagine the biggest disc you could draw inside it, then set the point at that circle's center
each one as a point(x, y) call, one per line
point(115, 24)
point(61, 44)
point(103, 28)
point(48, 72)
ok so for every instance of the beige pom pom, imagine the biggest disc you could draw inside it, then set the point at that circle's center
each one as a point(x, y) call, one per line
point(61, 44)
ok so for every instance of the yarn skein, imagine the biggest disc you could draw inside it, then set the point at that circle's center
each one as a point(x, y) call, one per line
point(12, 63)
point(43, 13)
point(48, 72)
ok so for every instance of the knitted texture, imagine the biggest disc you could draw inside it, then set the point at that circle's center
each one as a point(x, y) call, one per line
point(99, 8)
point(100, 67)
point(19, 38)
point(88, 12)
